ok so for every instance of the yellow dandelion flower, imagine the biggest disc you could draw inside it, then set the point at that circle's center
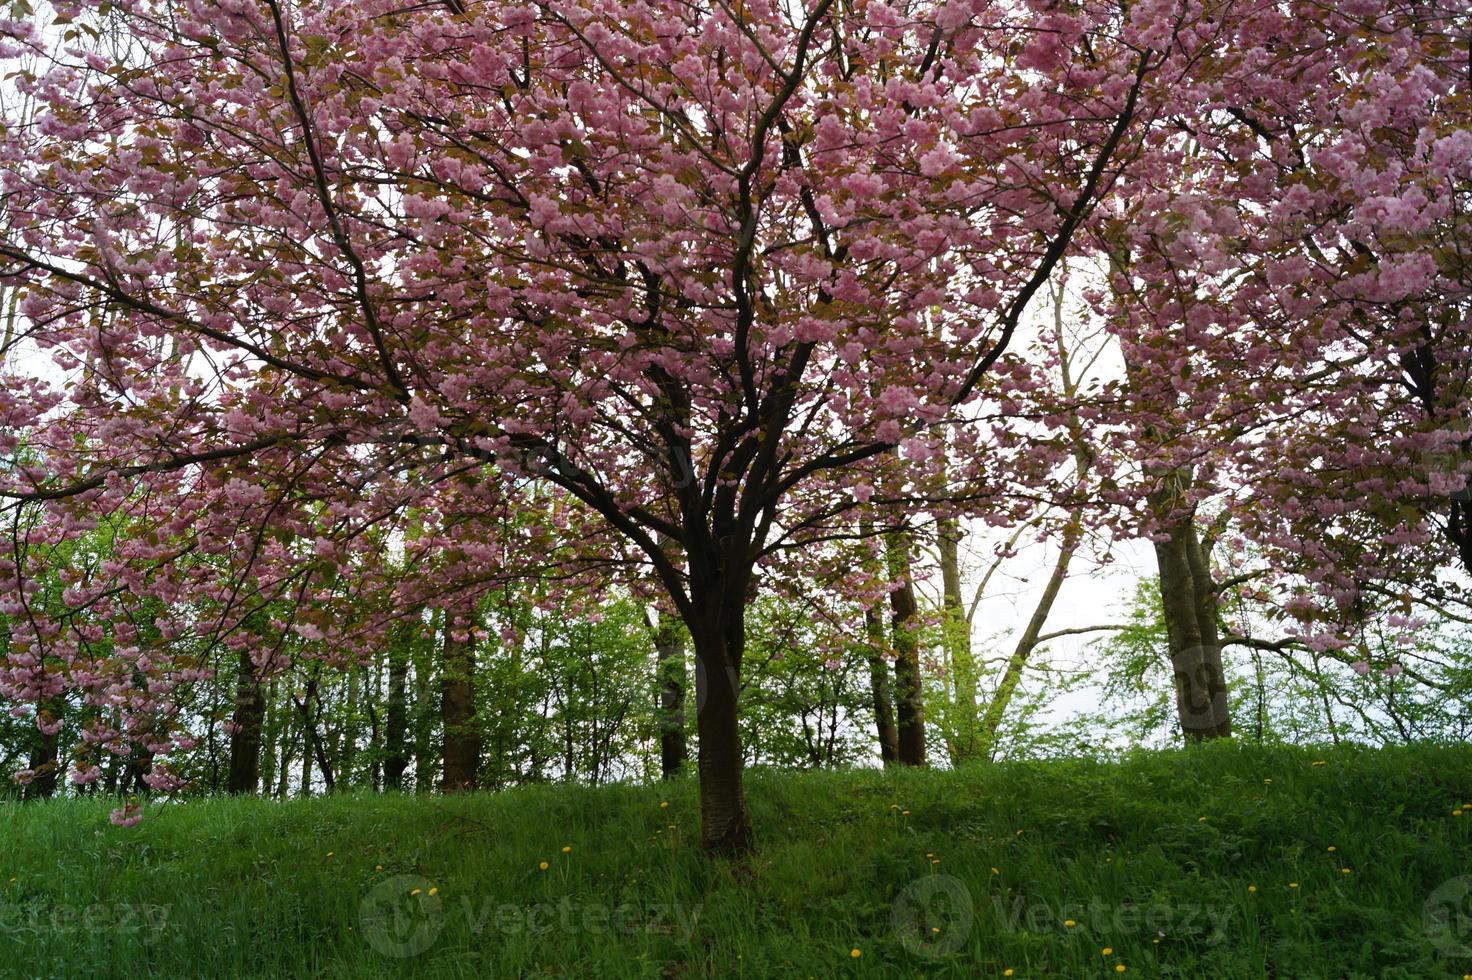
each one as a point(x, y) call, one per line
point(1346, 871)
point(414, 893)
point(934, 930)
point(1268, 781)
point(434, 891)
point(378, 867)
point(543, 866)
point(567, 849)
point(1456, 813)
point(904, 813)
point(1252, 888)
point(1069, 923)
point(1320, 762)
point(1292, 884)
point(1008, 972)
point(1119, 968)
point(330, 853)
point(995, 871)
point(935, 860)
point(929, 854)
point(1201, 820)
point(1107, 951)
point(855, 953)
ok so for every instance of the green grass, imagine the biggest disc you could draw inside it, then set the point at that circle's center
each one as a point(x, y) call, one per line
point(242, 888)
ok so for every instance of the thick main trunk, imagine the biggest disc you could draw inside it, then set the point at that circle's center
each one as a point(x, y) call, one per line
point(909, 695)
point(396, 716)
point(246, 724)
point(718, 638)
point(457, 713)
point(669, 649)
point(1188, 600)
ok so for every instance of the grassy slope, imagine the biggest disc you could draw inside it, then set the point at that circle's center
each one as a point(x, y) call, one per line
point(250, 888)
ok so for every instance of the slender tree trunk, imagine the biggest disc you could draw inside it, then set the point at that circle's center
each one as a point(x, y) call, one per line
point(270, 736)
point(396, 720)
point(457, 709)
point(352, 726)
point(956, 634)
point(245, 740)
point(991, 722)
point(909, 695)
point(426, 760)
point(669, 647)
point(881, 686)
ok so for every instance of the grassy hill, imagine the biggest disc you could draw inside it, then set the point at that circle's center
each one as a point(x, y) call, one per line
point(1220, 862)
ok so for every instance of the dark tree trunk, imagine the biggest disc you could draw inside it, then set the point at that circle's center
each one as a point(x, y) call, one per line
point(717, 626)
point(457, 711)
point(249, 717)
point(881, 686)
point(669, 647)
point(45, 759)
point(396, 720)
point(725, 827)
point(909, 695)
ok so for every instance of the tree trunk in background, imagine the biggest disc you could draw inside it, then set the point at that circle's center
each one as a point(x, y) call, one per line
point(1188, 598)
point(425, 711)
point(991, 722)
point(457, 709)
point(45, 760)
point(956, 635)
point(909, 695)
point(270, 723)
point(352, 726)
point(669, 649)
point(396, 719)
point(881, 686)
point(245, 740)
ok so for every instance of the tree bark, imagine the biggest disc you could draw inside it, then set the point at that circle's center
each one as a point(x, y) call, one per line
point(396, 720)
point(457, 710)
point(991, 722)
point(1188, 598)
point(881, 686)
point(909, 695)
point(45, 760)
point(956, 635)
point(725, 827)
point(669, 648)
point(249, 717)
